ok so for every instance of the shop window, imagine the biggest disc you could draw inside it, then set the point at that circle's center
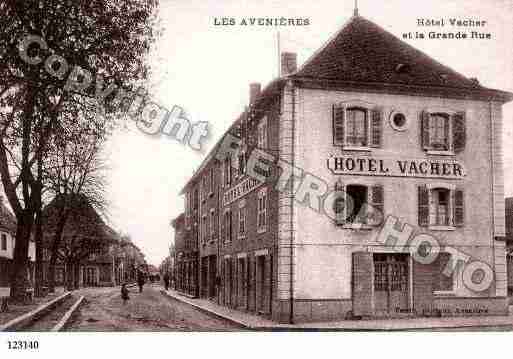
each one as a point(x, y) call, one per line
point(442, 281)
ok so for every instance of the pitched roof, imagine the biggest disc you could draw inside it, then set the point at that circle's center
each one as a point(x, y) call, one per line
point(363, 52)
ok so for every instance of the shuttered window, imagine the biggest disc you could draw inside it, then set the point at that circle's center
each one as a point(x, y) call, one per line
point(228, 171)
point(423, 206)
point(443, 131)
point(376, 127)
point(338, 125)
point(227, 226)
point(355, 126)
point(262, 210)
point(358, 204)
point(242, 221)
point(459, 132)
point(459, 214)
point(213, 224)
point(440, 207)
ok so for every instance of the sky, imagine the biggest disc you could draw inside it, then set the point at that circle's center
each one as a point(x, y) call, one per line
point(207, 69)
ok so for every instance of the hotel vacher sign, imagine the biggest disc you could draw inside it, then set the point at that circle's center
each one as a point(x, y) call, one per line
point(369, 166)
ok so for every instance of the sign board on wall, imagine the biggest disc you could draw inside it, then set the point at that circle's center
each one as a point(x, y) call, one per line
point(390, 167)
point(240, 190)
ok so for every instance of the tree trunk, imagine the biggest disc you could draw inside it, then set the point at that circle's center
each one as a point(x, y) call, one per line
point(55, 247)
point(69, 275)
point(19, 281)
point(76, 276)
point(38, 285)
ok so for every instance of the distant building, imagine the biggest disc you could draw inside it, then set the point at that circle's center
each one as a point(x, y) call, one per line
point(91, 254)
point(7, 243)
point(186, 256)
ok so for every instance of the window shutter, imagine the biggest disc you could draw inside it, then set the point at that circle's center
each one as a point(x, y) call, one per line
point(376, 214)
point(424, 129)
point(338, 113)
point(423, 201)
point(362, 284)
point(459, 204)
point(339, 216)
point(376, 127)
point(458, 132)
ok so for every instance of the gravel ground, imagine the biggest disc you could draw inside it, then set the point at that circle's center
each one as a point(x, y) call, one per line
point(149, 311)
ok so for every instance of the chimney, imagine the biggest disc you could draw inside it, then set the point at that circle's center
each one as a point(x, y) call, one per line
point(288, 63)
point(254, 91)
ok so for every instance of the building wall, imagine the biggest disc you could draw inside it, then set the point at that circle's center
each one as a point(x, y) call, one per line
point(322, 251)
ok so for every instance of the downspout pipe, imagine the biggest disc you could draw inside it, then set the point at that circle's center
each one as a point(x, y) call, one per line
point(293, 114)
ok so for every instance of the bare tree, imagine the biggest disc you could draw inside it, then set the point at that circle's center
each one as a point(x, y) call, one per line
point(74, 167)
point(110, 39)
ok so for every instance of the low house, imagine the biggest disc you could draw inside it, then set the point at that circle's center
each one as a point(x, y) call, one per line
point(7, 243)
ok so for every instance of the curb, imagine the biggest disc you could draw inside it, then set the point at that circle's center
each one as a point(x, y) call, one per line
point(307, 328)
point(208, 311)
point(27, 318)
point(66, 318)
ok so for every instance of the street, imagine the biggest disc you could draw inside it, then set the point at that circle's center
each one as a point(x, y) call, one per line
point(149, 311)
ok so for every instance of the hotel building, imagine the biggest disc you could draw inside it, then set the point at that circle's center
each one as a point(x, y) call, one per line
point(384, 127)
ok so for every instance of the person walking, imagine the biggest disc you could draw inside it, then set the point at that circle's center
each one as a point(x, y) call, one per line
point(166, 281)
point(140, 280)
point(124, 293)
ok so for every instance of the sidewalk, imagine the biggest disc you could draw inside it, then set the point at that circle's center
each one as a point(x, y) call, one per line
point(17, 310)
point(254, 322)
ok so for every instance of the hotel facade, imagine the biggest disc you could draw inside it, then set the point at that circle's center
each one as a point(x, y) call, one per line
point(368, 139)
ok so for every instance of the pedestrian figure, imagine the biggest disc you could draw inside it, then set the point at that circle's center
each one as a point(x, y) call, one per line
point(166, 281)
point(124, 293)
point(140, 281)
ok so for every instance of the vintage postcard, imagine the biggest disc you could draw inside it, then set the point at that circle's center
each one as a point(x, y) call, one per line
point(254, 166)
